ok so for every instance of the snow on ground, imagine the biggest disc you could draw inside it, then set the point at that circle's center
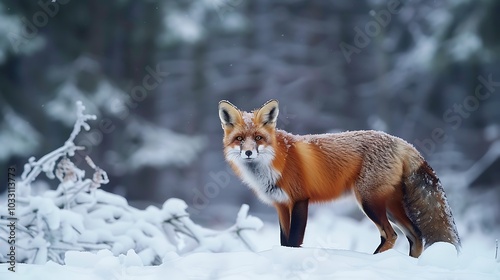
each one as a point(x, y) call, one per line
point(335, 247)
point(438, 262)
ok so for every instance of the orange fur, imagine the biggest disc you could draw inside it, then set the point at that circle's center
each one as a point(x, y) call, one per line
point(311, 172)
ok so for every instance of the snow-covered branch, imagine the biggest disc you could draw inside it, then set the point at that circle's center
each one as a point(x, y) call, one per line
point(46, 163)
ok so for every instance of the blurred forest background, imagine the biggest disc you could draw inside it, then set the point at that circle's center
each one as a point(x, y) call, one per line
point(154, 71)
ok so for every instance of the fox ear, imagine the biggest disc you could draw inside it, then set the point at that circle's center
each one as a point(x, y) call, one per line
point(228, 114)
point(268, 113)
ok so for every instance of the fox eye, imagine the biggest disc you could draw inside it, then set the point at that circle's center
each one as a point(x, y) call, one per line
point(258, 138)
point(239, 138)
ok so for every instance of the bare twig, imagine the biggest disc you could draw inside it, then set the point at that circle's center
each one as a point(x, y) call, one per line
point(496, 250)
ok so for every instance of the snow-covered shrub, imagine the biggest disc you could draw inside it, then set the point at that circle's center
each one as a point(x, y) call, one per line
point(79, 216)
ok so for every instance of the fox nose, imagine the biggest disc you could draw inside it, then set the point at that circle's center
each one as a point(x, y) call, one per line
point(248, 153)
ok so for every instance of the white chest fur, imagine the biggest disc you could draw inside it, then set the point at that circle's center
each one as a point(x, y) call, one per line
point(261, 178)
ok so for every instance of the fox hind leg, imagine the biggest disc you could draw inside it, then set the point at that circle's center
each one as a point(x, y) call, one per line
point(376, 211)
point(398, 215)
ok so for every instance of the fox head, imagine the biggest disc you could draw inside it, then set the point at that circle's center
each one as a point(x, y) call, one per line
point(249, 136)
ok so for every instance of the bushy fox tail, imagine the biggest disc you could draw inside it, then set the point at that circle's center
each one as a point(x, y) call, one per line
point(426, 205)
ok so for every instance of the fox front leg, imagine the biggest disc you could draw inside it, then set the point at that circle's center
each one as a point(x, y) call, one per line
point(298, 223)
point(293, 220)
point(284, 216)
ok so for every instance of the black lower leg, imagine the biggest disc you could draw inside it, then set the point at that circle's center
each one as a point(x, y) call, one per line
point(298, 223)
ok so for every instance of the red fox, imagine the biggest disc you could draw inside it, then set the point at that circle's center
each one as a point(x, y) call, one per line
point(389, 178)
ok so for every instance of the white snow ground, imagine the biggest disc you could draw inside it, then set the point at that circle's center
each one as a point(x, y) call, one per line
point(438, 262)
point(336, 247)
